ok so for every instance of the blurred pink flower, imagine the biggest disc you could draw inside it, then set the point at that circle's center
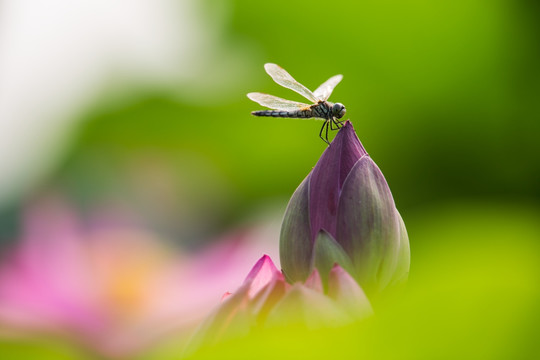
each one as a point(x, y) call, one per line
point(114, 289)
point(266, 299)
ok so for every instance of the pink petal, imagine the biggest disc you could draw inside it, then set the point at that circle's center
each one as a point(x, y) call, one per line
point(267, 297)
point(262, 273)
point(347, 293)
point(230, 318)
point(314, 281)
point(307, 307)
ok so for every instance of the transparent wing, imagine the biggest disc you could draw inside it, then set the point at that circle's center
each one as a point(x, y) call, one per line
point(273, 102)
point(324, 91)
point(284, 79)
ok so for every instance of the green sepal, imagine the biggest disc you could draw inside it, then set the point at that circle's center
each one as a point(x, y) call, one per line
point(326, 253)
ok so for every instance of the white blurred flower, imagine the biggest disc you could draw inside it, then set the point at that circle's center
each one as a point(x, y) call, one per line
point(59, 56)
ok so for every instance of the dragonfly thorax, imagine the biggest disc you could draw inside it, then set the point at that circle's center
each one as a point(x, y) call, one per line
point(327, 110)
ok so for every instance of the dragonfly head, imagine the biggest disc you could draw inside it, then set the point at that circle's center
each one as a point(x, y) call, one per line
point(338, 110)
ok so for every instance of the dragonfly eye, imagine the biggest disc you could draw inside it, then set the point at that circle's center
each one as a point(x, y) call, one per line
point(338, 110)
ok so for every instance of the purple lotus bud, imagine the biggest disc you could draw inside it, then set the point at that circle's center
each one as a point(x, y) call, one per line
point(343, 212)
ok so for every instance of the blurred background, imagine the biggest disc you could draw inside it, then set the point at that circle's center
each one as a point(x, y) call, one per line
point(133, 115)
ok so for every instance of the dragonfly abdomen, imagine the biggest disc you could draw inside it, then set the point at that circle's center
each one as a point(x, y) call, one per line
point(286, 114)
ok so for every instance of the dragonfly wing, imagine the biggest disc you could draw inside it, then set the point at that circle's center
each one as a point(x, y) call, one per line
point(273, 102)
point(324, 91)
point(284, 79)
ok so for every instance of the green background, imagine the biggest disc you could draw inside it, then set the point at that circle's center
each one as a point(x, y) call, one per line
point(445, 97)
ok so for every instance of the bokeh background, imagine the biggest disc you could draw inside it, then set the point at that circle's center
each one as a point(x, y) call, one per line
point(133, 115)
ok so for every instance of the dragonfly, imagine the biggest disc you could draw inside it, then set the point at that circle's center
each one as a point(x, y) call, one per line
point(320, 109)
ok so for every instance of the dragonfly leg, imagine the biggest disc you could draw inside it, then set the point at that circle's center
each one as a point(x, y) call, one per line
point(335, 122)
point(325, 124)
point(331, 125)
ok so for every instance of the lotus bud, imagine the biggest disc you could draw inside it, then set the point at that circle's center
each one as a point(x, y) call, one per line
point(343, 212)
